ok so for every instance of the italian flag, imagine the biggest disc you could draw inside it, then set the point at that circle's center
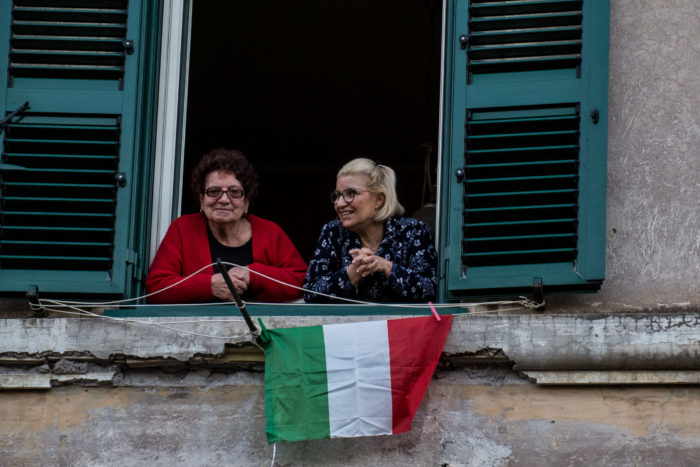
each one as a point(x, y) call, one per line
point(352, 379)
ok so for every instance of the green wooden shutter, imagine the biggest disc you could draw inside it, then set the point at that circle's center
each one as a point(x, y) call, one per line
point(68, 160)
point(525, 146)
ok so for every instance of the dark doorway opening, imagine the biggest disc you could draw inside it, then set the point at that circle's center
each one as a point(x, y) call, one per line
point(303, 87)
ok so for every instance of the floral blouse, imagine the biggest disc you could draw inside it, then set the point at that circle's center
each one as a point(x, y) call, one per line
point(407, 244)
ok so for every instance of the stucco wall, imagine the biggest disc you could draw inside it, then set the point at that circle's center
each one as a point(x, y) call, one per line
point(653, 206)
point(470, 417)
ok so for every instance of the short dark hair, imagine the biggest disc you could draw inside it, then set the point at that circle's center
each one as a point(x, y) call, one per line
point(225, 160)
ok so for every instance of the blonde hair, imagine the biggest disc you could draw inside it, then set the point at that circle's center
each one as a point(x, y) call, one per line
point(380, 179)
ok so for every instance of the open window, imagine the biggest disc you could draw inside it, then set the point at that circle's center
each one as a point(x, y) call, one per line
point(303, 87)
point(505, 102)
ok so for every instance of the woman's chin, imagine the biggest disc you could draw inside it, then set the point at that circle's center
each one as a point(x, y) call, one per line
point(224, 219)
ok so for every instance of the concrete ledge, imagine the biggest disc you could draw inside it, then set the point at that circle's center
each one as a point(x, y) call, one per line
point(634, 341)
point(25, 381)
point(613, 377)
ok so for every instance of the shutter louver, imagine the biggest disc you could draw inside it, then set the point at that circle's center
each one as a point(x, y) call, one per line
point(59, 212)
point(71, 182)
point(68, 39)
point(515, 35)
point(526, 144)
point(522, 186)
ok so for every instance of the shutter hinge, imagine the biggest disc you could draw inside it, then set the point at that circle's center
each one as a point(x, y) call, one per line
point(33, 299)
point(538, 292)
point(132, 258)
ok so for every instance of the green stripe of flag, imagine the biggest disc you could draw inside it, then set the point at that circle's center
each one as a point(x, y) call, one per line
point(290, 394)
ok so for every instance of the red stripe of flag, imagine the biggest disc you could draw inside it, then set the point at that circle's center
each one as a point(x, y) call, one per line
point(415, 345)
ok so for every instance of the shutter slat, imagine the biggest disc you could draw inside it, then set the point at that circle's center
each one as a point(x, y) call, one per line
point(491, 8)
point(29, 14)
point(35, 258)
point(521, 208)
point(62, 156)
point(42, 228)
point(515, 36)
point(24, 242)
point(521, 195)
point(519, 252)
point(518, 193)
point(512, 179)
point(64, 41)
point(522, 149)
point(514, 223)
point(55, 200)
point(505, 22)
point(519, 237)
point(48, 43)
point(59, 212)
point(59, 141)
point(82, 4)
point(523, 164)
point(508, 37)
point(525, 50)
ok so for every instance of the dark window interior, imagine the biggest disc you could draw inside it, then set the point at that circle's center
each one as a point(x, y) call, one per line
point(303, 87)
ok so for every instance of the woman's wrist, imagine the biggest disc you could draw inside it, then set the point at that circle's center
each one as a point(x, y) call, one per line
point(388, 265)
point(353, 276)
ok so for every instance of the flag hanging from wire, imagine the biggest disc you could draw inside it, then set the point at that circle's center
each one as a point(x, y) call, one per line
point(351, 379)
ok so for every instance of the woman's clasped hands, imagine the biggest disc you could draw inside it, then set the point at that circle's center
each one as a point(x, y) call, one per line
point(239, 277)
point(364, 263)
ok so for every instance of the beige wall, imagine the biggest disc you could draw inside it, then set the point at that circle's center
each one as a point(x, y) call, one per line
point(471, 416)
point(653, 246)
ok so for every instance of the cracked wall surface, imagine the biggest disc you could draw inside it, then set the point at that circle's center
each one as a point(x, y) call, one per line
point(471, 416)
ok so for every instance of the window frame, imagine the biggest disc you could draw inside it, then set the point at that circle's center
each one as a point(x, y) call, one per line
point(169, 159)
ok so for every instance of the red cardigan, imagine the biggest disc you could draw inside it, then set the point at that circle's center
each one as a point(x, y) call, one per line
point(185, 249)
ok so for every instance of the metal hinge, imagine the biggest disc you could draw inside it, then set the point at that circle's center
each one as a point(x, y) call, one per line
point(132, 258)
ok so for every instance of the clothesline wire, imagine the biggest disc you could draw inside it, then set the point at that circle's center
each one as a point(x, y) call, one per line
point(118, 303)
point(78, 307)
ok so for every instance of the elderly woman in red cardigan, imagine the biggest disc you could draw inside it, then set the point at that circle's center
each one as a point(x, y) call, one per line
point(225, 183)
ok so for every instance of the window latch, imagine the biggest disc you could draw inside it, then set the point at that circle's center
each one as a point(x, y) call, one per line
point(463, 41)
point(128, 46)
point(120, 177)
point(459, 173)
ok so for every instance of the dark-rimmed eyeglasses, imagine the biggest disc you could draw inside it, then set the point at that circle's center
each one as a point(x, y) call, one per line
point(233, 193)
point(348, 195)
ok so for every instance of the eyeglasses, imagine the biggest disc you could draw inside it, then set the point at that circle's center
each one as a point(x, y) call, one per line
point(348, 195)
point(233, 193)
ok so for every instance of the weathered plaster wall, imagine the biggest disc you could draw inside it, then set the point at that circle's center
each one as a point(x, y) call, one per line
point(118, 393)
point(653, 220)
point(632, 341)
point(470, 417)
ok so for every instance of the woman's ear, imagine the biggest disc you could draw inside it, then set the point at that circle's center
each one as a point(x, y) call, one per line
point(379, 203)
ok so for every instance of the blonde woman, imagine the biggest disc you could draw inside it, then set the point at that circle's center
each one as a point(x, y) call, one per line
point(370, 252)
